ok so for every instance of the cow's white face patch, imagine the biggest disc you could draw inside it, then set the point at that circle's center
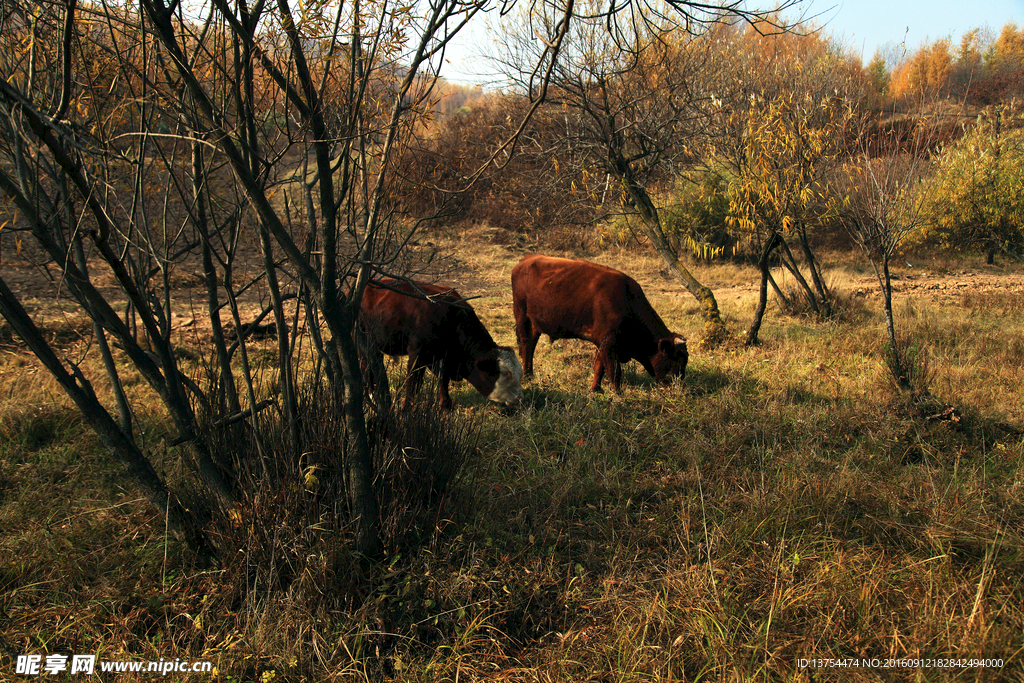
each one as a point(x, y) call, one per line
point(508, 389)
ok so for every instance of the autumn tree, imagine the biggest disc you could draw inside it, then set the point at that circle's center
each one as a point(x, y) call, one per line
point(1006, 55)
point(980, 180)
point(880, 77)
point(883, 204)
point(926, 73)
point(967, 68)
point(984, 68)
point(777, 131)
point(782, 190)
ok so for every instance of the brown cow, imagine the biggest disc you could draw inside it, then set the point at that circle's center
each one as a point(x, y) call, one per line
point(437, 329)
point(567, 299)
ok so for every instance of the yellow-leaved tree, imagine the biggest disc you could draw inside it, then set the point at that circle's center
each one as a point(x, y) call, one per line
point(980, 179)
point(781, 190)
point(778, 129)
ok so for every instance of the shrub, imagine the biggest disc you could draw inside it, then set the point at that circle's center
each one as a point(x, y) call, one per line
point(289, 530)
point(907, 361)
point(538, 191)
point(694, 217)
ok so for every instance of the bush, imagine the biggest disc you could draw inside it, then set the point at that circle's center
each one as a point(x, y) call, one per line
point(979, 188)
point(539, 191)
point(693, 216)
point(908, 366)
point(288, 534)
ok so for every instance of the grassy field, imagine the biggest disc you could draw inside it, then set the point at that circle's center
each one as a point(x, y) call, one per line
point(783, 504)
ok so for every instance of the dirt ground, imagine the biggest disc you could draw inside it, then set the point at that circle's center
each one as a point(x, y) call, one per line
point(941, 287)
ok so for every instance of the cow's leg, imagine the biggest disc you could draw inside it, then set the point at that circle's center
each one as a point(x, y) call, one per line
point(527, 335)
point(598, 372)
point(413, 379)
point(522, 329)
point(375, 378)
point(605, 360)
point(615, 370)
point(442, 384)
point(366, 372)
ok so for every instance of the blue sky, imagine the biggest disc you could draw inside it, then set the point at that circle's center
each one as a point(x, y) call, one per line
point(869, 24)
point(865, 25)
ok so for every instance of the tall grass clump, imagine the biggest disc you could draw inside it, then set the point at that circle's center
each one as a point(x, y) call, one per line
point(294, 504)
point(907, 362)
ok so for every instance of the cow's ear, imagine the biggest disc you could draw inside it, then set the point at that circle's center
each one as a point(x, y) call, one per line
point(665, 346)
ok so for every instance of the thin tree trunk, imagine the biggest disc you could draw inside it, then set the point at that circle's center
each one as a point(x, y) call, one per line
point(124, 411)
point(714, 327)
point(161, 373)
point(226, 392)
point(819, 282)
point(793, 267)
point(243, 353)
point(895, 359)
point(783, 299)
point(359, 467)
point(762, 299)
point(890, 324)
point(286, 381)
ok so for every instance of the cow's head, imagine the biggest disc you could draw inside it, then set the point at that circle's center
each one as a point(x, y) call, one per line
point(497, 375)
point(670, 359)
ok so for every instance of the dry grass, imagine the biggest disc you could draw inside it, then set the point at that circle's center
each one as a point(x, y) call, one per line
point(785, 503)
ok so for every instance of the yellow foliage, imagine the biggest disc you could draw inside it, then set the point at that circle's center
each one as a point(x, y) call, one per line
point(926, 72)
point(790, 143)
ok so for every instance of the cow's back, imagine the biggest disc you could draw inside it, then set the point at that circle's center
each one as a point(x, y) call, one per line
point(429, 319)
point(575, 299)
point(397, 316)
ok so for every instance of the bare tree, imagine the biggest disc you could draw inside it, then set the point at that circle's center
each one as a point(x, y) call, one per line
point(69, 184)
point(884, 204)
point(234, 124)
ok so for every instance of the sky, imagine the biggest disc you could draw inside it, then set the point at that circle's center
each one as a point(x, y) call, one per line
point(869, 24)
point(864, 25)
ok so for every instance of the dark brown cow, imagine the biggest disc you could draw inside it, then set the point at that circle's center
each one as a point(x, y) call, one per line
point(567, 299)
point(437, 329)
